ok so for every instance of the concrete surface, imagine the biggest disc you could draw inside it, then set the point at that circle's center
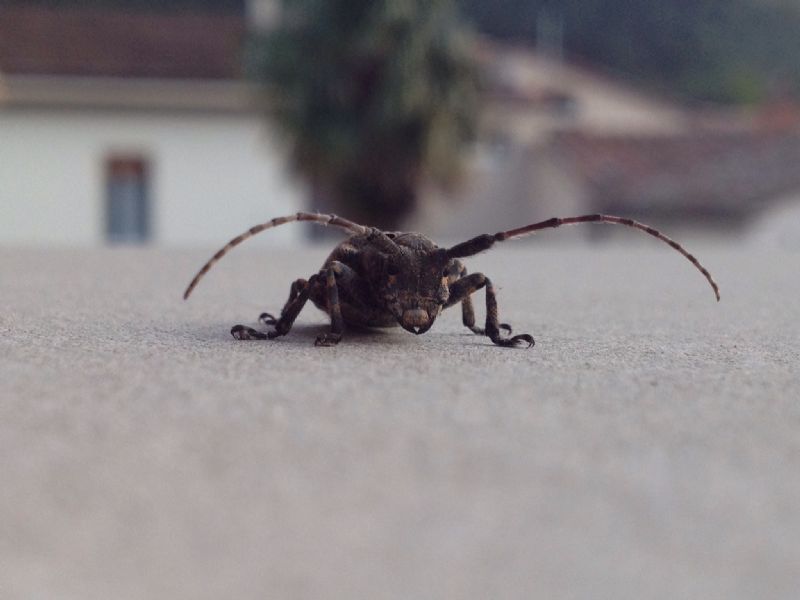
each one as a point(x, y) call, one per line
point(647, 447)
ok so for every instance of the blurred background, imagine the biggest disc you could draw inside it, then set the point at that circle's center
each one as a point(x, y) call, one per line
point(185, 122)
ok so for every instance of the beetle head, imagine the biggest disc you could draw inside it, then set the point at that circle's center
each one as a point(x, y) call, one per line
point(413, 285)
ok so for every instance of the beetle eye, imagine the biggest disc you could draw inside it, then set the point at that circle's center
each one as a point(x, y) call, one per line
point(392, 269)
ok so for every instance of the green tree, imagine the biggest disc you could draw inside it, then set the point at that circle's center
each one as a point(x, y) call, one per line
point(737, 51)
point(376, 96)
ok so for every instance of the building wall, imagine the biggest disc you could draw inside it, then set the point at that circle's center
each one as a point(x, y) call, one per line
point(211, 175)
point(598, 104)
point(499, 192)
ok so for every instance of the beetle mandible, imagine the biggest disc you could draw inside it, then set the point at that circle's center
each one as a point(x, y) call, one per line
point(382, 279)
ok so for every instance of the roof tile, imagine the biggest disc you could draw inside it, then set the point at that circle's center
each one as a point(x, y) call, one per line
point(39, 40)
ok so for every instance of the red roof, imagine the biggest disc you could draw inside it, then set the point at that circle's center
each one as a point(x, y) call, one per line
point(38, 40)
point(701, 172)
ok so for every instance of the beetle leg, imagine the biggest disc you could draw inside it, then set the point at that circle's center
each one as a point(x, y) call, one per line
point(298, 296)
point(267, 319)
point(467, 310)
point(465, 287)
point(334, 270)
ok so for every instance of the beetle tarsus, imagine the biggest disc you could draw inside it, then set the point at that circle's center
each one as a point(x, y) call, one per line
point(328, 339)
point(242, 332)
point(267, 319)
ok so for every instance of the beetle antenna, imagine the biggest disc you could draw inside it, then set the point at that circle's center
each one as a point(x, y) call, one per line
point(484, 242)
point(322, 219)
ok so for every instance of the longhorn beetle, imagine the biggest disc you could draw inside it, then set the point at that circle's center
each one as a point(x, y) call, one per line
point(381, 279)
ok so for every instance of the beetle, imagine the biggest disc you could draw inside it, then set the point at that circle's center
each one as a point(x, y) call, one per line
point(379, 278)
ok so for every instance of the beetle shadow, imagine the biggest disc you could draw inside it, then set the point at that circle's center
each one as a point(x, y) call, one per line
point(307, 333)
point(304, 334)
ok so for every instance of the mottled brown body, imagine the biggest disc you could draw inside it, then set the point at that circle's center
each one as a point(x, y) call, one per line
point(362, 303)
point(385, 279)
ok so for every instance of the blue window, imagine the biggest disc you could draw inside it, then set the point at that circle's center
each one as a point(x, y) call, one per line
point(127, 201)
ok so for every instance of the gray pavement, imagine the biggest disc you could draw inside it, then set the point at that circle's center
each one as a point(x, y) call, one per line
point(647, 447)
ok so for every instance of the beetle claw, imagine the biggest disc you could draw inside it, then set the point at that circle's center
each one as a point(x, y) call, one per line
point(267, 319)
point(328, 339)
point(242, 332)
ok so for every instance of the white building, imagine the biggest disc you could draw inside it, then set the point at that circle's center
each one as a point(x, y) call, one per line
point(530, 100)
point(131, 127)
point(559, 139)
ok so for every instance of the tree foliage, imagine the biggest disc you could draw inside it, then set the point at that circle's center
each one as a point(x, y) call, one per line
point(376, 96)
point(737, 51)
